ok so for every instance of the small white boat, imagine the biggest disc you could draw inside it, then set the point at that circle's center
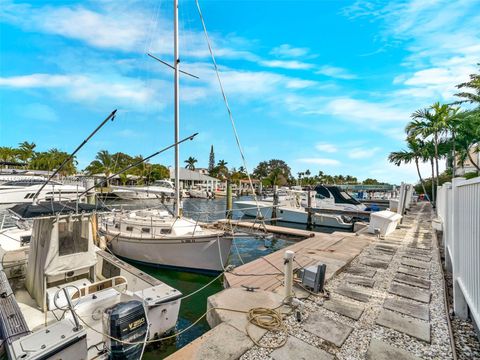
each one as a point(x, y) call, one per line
point(23, 190)
point(74, 297)
point(292, 209)
point(156, 238)
point(160, 189)
point(200, 192)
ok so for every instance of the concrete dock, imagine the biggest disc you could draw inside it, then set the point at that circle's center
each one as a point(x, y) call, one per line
point(386, 301)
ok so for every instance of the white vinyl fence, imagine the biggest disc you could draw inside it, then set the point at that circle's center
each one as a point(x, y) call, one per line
point(458, 208)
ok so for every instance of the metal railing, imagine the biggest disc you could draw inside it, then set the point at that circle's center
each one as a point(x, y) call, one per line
point(458, 208)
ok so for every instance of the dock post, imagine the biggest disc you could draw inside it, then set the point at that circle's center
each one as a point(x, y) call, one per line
point(309, 209)
point(288, 269)
point(91, 198)
point(229, 199)
point(275, 204)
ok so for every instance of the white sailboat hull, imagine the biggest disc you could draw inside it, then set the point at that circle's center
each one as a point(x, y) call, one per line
point(293, 215)
point(205, 254)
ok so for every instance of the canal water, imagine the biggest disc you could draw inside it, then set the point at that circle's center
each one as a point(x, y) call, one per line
point(246, 247)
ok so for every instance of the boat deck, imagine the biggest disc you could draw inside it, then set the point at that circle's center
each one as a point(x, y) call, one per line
point(335, 250)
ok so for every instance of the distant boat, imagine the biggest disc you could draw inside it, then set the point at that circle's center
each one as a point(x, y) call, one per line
point(159, 189)
point(292, 208)
point(23, 190)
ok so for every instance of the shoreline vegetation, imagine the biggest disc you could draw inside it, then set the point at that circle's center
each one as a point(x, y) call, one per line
point(444, 131)
point(272, 172)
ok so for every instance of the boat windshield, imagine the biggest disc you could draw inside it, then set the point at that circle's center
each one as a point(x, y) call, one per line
point(163, 183)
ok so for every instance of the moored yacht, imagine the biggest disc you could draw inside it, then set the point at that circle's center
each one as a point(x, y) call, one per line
point(156, 238)
point(292, 208)
point(76, 299)
point(23, 191)
point(158, 190)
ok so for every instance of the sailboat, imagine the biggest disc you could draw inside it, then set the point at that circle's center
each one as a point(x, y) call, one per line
point(160, 238)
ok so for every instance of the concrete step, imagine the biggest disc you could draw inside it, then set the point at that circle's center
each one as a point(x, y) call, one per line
point(297, 349)
point(327, 329)
point(408, 307)
point(352, 293)
point(379, 350)
point(417, 328)
point(360, 281)
point(362, 271)
point(412, 280)
point(344, 308)
point(410, 292)
point(368, 261)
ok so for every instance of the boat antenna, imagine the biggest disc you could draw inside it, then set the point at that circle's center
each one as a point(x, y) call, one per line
point(109, 117)
point(176, 65)
point(138, 163)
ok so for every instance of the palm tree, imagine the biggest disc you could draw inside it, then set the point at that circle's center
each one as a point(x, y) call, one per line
point(414, 153)
point(473, 84)
point(26, 151)
point(430, 122)
point(190, 163)
point(7, 153)
point(103, 163)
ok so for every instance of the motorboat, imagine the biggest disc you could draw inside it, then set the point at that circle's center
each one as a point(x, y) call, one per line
point(19, 191)
point(293, 209)
point(160, 189)
point(332, 197)
point(73, 300)
point(156, 238)
point(200, 192)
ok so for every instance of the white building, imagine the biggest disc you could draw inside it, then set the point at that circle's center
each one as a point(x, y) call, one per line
point(190, 178)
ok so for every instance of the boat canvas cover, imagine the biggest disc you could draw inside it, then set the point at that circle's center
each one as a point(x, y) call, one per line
point(53, 208)
point(58, 245)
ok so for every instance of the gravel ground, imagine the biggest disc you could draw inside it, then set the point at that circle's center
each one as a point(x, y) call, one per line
point(365, 328)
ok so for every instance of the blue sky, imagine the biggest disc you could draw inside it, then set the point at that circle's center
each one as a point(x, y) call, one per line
point(323, 85)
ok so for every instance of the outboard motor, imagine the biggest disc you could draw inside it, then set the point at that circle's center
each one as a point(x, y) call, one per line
point(125, 321)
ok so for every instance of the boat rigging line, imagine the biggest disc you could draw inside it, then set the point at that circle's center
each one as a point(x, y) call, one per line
point(230, 114)
point(109, 117)
point(171, 67)
point(191, 137)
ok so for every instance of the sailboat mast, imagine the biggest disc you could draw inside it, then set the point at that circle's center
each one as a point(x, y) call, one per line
point(176, 56)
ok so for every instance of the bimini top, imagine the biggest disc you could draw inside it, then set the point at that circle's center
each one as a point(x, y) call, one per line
point(54, 208)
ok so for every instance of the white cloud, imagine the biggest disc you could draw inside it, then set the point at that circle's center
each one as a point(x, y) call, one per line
point(363, 153)
point(286, 50)
point(300, 83)
point(442, 38)
point(329, 148)
point(349, 109)
point(286, 64)
point(319, 161)
point(90, 89)
point(335, 72)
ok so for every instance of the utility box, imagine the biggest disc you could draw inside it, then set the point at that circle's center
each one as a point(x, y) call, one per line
point(313, 277)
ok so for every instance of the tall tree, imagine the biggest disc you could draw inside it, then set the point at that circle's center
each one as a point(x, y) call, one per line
point(191, 161)
point(103, 163)
point(430, 122)
point(26, 151)
point(473, 84)
point(211, 160)
point(414, 153)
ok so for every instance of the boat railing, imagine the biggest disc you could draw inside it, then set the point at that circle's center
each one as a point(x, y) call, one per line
point(118, 282)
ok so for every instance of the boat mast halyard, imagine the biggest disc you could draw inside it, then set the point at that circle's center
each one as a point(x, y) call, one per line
point(176, 64)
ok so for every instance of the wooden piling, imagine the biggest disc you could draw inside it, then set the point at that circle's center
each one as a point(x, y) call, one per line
point(229, 200)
